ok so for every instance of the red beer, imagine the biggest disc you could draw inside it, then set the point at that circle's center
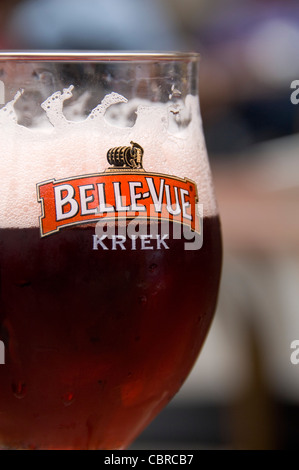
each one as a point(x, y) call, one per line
point(97, 342)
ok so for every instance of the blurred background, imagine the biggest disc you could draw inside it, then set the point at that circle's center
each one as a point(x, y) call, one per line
point(243, 393)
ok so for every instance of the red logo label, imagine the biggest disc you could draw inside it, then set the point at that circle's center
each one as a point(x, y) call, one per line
point(116, 195)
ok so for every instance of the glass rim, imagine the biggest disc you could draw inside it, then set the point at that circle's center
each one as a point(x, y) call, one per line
point(97, 56)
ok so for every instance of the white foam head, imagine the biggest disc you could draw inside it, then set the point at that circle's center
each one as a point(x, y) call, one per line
point(59, 147)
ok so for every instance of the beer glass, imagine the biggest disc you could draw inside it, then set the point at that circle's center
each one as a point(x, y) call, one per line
point(110, 245)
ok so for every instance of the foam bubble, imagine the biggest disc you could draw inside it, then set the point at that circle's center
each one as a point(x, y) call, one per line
point(170, 135)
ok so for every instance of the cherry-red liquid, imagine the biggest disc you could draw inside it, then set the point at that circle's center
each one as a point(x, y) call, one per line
point(97, 342)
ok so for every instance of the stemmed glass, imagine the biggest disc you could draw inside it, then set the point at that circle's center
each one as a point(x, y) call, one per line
point(110, 245)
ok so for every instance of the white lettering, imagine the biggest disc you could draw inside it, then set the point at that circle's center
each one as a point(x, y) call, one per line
point(99, 241)
point(118, 198)
point(145, 242)
point(61, 201)
point(118, 240)
point(185, 203)
point(124, 460)
point(169, 205)
point(133, 238)
point(157, 200)
point(141, 242)
point(86, 199)
point(102, 200)
point(134, 197)
point(160, 242)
